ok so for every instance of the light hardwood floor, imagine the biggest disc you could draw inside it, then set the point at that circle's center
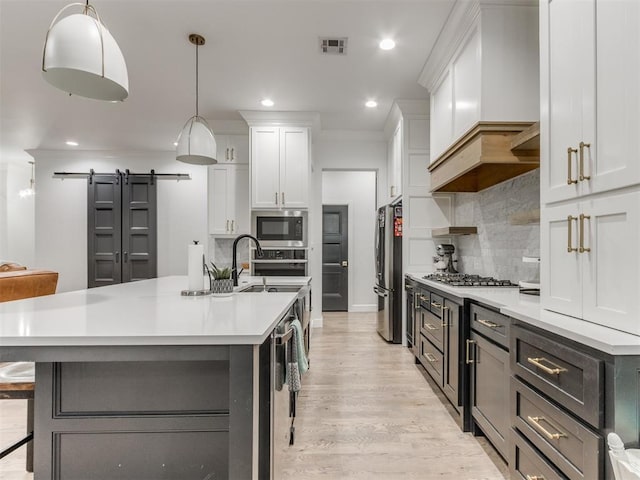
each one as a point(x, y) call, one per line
point(365, 412)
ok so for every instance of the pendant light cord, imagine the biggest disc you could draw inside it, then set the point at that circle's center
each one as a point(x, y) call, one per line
point(196, 79)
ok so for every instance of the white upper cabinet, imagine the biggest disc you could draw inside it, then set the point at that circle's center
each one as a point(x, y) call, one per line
point(590, 168)
point(484, 67)
point(585, 274)
point(229, 199)
point(232, 148)
point(590, 107)
point(279, 167)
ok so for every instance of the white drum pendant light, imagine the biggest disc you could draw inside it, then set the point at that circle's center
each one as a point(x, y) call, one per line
point(196, 143)
point(81, 57)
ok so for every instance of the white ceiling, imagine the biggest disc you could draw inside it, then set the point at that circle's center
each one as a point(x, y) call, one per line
point(254, 49)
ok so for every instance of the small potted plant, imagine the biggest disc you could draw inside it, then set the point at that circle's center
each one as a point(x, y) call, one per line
point(221, 281)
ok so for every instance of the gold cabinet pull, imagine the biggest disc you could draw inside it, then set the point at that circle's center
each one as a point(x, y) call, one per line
point(282, 193)
point(233, 226)
point(428, 326)
point(582, 176)
point(487, 323)
point(535, 477)
point(436, 305)
point(570, 247)
point(554, 370)
point(582, 248)
point(423, 298)
point(227, 225)
point(233, 154)
point(227, 154)
point(276, 198)
point(535, 421)
point(570, 151)
point(430, 357)
point(467, 357)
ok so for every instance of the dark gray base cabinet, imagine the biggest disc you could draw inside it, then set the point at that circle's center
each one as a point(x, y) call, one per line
point(565, 399)
point(440, 334)
point(487, 353)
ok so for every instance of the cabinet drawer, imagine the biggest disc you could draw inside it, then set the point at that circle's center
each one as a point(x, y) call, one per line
point(432, 327)
point(570, 445)
point(431, 359)
point(569, 377)
point(527, 464)
point(435, 305)
point(491, 324)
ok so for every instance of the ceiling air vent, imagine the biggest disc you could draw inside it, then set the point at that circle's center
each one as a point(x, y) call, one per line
point(335, 46)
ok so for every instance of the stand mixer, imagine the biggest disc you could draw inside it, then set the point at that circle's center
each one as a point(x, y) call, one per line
point(444, 260)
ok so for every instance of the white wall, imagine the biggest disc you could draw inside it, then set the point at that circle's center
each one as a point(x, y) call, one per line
point(357, 189)
point(333, 150)
point(61, 210)
point(17, 223)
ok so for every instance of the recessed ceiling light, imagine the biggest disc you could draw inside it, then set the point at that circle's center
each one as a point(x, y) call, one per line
point(387, 44)
point(371, 104)
point(175, 144)
point(71, 143)
point(267, 102)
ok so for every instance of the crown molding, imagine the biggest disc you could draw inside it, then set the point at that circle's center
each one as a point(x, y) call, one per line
point(299, 119)
point(404, 108)
point(460, 21)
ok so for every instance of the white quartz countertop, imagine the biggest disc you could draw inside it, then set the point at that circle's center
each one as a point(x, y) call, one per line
point(148, 312)
point(526, 308)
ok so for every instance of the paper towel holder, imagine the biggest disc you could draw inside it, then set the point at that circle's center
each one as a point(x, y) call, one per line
point(199, 293)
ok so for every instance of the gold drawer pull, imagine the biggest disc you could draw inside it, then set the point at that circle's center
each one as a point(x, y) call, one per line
point(570, 180)
point(428, 326)
point(557, 370)
point(430, 357)
point(467, 357)
point(535, 477)
point(423, 298)
point(551, 436)
point(582, 248)
point(487, 323)
point(436, 305)
point(582, 176)
point(570, 247)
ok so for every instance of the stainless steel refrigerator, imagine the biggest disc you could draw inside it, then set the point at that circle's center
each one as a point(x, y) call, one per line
point(388, 286)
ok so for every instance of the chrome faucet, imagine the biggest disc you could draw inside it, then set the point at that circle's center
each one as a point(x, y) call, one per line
point(234, 261)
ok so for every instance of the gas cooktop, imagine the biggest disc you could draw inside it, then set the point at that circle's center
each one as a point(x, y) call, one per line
point(465, 280)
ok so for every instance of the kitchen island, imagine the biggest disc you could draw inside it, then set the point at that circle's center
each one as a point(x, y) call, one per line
point(135, 381)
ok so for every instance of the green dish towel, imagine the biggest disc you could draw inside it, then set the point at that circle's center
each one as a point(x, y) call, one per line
point(303, 363)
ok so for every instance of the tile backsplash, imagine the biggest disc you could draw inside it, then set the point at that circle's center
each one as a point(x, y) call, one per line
point(499, 246)
point(221, 251)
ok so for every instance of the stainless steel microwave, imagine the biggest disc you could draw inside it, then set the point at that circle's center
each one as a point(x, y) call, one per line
point(281, 228)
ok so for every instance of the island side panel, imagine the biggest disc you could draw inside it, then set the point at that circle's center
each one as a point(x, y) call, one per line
point(243, 457)
point(132, 435)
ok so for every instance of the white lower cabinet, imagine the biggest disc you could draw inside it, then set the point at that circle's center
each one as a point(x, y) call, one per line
point(590, 260)
point(229, 199)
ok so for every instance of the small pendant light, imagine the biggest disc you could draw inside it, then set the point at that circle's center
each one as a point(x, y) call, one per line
point(196, 143)
point(81, 57)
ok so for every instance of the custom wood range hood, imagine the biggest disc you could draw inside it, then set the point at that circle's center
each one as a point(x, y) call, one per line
point(489, 153)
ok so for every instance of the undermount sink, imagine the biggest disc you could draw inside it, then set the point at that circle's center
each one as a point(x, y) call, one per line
point(270, 288)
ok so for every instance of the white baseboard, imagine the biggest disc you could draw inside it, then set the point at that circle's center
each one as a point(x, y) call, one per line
point(317, 322)
point(363, 308)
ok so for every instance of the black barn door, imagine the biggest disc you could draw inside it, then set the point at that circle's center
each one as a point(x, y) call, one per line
point(121, 228)
point(139, 232)
point(104, 243)
point(335, 267)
